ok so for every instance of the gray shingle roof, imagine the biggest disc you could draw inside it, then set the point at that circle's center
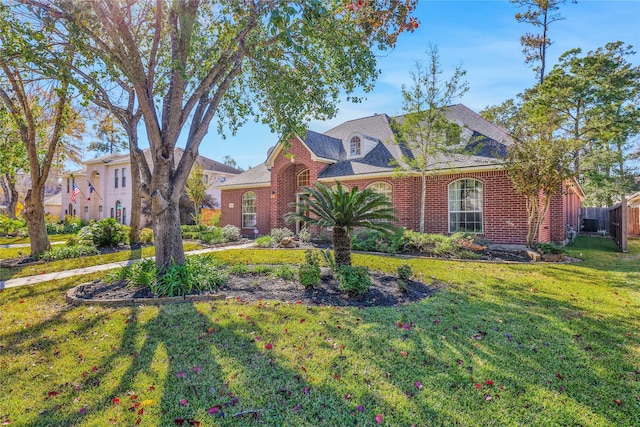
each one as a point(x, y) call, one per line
point(258, 175)
point(325, 146)
point(486, 146)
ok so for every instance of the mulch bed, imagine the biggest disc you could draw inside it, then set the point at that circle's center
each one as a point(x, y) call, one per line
point(384, 291)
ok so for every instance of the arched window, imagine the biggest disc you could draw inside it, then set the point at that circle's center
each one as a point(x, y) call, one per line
point(383, 188)
point(118, 211)
point(249, 210)
point(302, 180)
point(355, 146)
point(465, 206)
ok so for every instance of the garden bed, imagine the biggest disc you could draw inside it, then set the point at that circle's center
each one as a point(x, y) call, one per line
point(384, 292)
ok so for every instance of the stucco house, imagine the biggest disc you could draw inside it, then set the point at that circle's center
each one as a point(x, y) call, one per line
point(109, 176)
point(470, 192)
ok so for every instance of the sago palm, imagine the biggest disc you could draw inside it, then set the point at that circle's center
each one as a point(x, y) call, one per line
point(343, 209)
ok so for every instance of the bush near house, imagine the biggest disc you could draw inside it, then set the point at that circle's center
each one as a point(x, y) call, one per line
point(211, 234)
point(106, 233)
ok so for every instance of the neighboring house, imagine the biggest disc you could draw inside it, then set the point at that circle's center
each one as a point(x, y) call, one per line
point(469, 192)
point(53, 205)
point(110, 176)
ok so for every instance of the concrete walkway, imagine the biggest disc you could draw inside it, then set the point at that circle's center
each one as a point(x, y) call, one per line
point(25, 245)
point(32, 280)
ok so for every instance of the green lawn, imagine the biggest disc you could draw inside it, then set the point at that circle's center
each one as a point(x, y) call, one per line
point(497, 344)
point(68, 264)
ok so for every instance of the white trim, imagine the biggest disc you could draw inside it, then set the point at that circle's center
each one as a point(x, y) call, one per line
point(394, 175)
point(242, 186)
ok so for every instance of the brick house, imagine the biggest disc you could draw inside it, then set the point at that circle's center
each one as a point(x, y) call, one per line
point(110, 177)
point(469, 192)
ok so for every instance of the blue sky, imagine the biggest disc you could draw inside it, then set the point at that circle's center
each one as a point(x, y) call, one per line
point(481, 36)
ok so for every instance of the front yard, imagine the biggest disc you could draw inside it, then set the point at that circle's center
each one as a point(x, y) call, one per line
point(497, 344)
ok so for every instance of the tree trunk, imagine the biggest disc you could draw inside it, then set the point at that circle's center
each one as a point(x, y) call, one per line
point(167, 232)
point(10, 195)
point(34, 215)
point(136, 201)
point(341, 246)
point(423, 200)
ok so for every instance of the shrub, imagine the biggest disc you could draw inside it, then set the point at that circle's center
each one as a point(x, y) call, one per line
point(72, 241)
point(65, 252)
point(404, 272)
point(231, 233)
point(304, 235)
point(309, 275)
point(375, 241)
point(550, 248)
point(312, 257)
point(353, 280)
point(238, 268)
point(263, 242)
point(277, 234)
point(329, 260)
point(105, 233)
point(146, 235)
point(212, 235)
point(284, 272)
point(9, 227)
point(197, 274)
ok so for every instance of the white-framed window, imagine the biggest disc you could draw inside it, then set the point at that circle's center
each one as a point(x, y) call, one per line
point(249, 208)
point(465, 206)
point(302, 179)
point(383, 188)
point(124, 177)
point(117, 171)
point(355, 146)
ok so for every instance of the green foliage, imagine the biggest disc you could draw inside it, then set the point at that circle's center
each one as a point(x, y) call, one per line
point(231, 233)
point(106, 233)
point(263, 242)
point(404, 272)
point(146, 235)
point(304, 235)
point(309, 275)
point(238, 268)
point(61, 252)
point(550, 248)
point(284, 272)
point(353, 280)
point(329, 260)
point(11, 226)
point(73, 241)
point(212, 235)
point(312, 257)
point(198, 274)
point(196, 189)
point(374, 241)
point(278, 234)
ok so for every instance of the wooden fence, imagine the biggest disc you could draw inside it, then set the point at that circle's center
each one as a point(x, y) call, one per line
point(634, 221)
point(619, 223)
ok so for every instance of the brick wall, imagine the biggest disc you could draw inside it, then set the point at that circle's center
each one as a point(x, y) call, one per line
point(233, 215)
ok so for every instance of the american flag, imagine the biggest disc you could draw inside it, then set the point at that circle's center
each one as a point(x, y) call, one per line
point(91, 190)
point(75, 192)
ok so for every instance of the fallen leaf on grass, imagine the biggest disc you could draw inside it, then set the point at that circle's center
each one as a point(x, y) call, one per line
point(360, 408)
point(147, 402)
point(52, 394)
point(213, 410)
point(180, 375)
point(269, 346)
point(478, 386)
point(488, 382)
point(618, 402)
point(379, 419)
point(116, 401)
point(82, 410)
point(197, 369)
point(418, 385)
point(184, 402)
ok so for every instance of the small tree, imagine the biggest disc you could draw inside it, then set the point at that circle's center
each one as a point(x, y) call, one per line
point(343, 209)
point(196, 189)
point(538, 163)
point(540, 14)
point(424, 128)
